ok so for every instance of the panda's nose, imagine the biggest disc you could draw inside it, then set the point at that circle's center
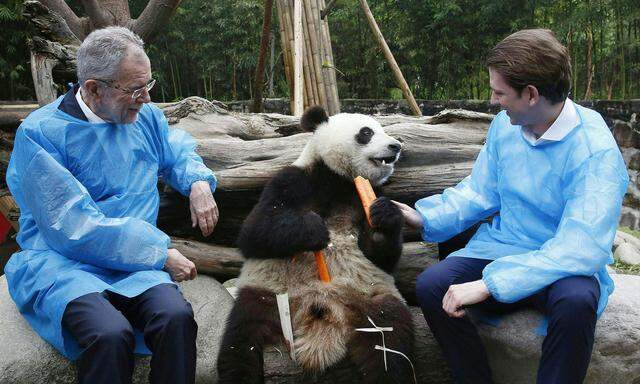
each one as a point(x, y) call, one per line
point(395, 147)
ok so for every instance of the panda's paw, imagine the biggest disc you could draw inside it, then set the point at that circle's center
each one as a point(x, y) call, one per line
point(316, 234)
point(385, 215)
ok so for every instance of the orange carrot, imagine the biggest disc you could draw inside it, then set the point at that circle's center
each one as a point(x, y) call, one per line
point(323, 272)
point(367, 196)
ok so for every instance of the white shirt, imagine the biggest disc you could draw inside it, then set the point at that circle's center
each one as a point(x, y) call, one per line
point(92, 117)
point(564, 123)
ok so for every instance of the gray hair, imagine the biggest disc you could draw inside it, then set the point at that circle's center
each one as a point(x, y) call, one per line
point(102, 51)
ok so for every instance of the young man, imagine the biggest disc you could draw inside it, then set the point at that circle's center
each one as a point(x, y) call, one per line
point(94, 271)
point(554, 178)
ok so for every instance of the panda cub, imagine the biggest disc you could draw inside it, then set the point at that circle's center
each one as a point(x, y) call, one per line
point(313, 205)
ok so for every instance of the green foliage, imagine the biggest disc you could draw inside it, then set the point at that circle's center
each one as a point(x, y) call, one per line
point(210, 48)
point(15, 76)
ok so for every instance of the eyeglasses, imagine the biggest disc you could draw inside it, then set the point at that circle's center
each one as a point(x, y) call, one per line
point(136, 93)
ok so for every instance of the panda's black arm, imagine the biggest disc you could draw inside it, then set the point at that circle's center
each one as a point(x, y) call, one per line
point(382, 244)
point(282, 224)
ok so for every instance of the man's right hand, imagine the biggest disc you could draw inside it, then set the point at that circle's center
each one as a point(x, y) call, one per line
point(179, 267)
point(411, 217)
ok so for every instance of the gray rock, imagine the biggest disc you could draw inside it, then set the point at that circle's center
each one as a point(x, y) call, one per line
point(623, 237)
point(628, 253)
point(629, 217)
point(514, 346)
point(27, 359)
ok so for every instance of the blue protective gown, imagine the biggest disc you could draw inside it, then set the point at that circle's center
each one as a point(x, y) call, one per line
point(558, 205)
point(88, 201)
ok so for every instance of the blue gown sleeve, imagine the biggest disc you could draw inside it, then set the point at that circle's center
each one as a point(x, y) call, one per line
point(473, 199)
point(70, 220)
point(181, 166)
point(582, 243)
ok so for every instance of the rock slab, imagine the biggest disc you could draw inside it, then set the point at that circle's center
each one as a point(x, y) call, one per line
point(27, 359)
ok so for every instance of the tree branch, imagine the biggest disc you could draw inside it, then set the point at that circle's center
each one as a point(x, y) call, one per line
point(73, 21)
point(155, 15)
point(50, 23)
point(99, 18)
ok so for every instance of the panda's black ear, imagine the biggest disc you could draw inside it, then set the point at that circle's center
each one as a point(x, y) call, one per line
point(313, 117)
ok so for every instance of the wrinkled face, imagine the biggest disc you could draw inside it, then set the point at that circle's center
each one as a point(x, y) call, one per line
point(516, 105)
point(116, 105)
point(357, 145)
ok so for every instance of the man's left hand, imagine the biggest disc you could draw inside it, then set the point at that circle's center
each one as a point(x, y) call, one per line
point(203, 207)
point(460, 295)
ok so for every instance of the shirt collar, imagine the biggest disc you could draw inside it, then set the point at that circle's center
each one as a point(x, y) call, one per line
point(92, 117)
point(566, 121)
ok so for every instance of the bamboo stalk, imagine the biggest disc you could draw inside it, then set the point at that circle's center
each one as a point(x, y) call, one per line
point(400, 81)
point(313, 28)
point(297, 57)
point(287, 58)
point(327, 55)
point(309, 66)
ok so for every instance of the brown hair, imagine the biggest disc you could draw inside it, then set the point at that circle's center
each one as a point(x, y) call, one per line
point(533, 57)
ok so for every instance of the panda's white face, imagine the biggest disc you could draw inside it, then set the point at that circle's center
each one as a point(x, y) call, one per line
point(354, 145)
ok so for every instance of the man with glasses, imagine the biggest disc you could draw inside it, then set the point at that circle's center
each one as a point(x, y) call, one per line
point(95, 277)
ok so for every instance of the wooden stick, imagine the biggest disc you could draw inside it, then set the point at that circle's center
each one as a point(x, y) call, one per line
point(367, 196)
point(323, 271)
point(402, 83)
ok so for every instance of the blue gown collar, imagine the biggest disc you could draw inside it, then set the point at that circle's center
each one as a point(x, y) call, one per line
point(69, 104)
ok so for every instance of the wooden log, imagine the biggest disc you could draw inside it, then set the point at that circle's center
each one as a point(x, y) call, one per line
point(245, 150)
point(226, 262)
point(220, 262)
point(402, 83)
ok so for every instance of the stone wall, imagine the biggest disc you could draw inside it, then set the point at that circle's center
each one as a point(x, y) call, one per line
point(622, 117)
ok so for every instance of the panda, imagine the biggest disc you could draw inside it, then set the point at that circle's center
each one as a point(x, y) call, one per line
point(313, 205)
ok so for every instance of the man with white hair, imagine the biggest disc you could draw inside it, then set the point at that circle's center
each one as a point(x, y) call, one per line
point(95, 277)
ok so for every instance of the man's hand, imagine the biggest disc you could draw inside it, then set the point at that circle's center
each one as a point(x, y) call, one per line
point(411, 217)
point(460, 295)
point(179, 267)
point(204, 210)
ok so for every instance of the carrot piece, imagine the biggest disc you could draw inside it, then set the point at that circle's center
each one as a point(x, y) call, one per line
point(323, 272)
point(367, 196)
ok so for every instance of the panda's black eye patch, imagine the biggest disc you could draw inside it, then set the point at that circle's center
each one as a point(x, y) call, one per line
point(364, 136)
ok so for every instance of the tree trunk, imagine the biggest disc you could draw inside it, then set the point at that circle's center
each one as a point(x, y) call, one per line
point(58, 26)
point(264, 45)
point(42, 73)
point(590, 66)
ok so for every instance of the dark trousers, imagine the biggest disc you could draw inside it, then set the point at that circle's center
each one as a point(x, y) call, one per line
point(103, 324)
point(570, 305)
